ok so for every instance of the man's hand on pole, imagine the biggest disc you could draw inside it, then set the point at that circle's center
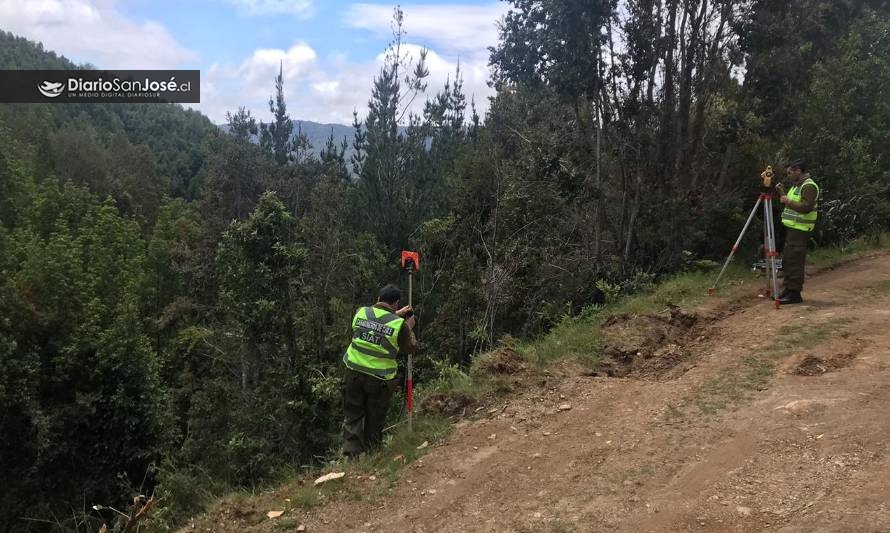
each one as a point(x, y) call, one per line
point(407, 313)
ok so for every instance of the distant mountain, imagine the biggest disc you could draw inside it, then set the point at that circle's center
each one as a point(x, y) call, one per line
point(318, 134)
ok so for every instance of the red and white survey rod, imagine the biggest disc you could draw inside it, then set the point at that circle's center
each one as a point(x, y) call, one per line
point(411, 264)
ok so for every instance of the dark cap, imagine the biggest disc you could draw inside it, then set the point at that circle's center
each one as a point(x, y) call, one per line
point(389, 294)
point(798, 163)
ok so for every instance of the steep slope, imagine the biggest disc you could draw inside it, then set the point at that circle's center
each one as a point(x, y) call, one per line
point(778, 424)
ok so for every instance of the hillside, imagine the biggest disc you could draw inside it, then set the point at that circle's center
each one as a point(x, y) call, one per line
point(769, 421)
point(173, 135)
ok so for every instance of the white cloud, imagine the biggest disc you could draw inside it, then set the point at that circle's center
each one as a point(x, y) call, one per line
point(264, 64)
point(298, 8)
point(94, 31)
point(323, 89)
point(251, 83)
point(473, 70)
point(450, 28)
point(328, 89)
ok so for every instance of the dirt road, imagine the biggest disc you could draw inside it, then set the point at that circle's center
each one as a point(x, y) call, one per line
point(778, 420)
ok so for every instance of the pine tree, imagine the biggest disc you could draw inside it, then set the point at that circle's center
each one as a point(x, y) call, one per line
point(275, 137)
point(385, 187)
point(242, 124)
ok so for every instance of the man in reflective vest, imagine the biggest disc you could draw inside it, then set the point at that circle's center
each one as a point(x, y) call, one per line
point(799, 218)
point(379, 334)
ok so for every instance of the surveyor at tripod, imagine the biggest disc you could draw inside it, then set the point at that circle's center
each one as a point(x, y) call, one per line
point(379, 334)
point(799, 218)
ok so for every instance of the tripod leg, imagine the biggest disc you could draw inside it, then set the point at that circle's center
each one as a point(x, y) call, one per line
point(771, 250)
point(735, 247)
point(766, 249)
point(775, 254)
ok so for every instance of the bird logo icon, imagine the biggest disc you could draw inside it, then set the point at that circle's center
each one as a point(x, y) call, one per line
point(50, 89)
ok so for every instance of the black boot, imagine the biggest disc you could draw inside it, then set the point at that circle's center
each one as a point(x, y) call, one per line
point(783, 294)
point(791, 297)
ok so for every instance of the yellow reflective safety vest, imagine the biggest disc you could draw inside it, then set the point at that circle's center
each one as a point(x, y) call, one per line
point(375, 343)
point(800, 221)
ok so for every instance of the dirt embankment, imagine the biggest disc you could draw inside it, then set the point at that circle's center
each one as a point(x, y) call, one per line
point(753, 420)
point(650, 346)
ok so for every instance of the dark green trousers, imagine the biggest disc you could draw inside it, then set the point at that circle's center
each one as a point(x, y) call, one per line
point(794, 258)
point(365, 404)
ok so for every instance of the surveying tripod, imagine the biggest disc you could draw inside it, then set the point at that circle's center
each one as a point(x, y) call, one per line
point(769, 239)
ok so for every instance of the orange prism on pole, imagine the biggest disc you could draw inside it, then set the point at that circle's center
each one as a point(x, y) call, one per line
point(409, 258)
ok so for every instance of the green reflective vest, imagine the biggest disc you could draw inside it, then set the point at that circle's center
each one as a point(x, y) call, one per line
point(800, 221)
point(375, 343)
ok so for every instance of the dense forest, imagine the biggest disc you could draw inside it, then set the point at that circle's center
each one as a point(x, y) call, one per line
point(175, 298)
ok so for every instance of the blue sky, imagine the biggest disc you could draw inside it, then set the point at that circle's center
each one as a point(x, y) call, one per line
point(330, 49)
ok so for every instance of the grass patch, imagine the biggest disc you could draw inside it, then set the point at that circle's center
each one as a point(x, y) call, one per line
point(803, 336)
point(458, 393)
point(401, 448)
point(673, 413)
point(580, 337)
point(883, 287)
point(574, 338)
point(305, 497)
point(684, 290)
point(734, 384)
point(286, 524)
point(553, 525)
point(558, 525)
point(737, 382)
point(832, 255)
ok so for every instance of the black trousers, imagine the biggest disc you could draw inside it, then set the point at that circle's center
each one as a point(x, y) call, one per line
point(794, 258)
point(365, 404)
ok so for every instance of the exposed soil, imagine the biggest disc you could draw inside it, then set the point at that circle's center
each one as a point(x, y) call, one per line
point(763, 420)
point(830, 356)
point(450, 404)
point(649, 346)
point(502, 361)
